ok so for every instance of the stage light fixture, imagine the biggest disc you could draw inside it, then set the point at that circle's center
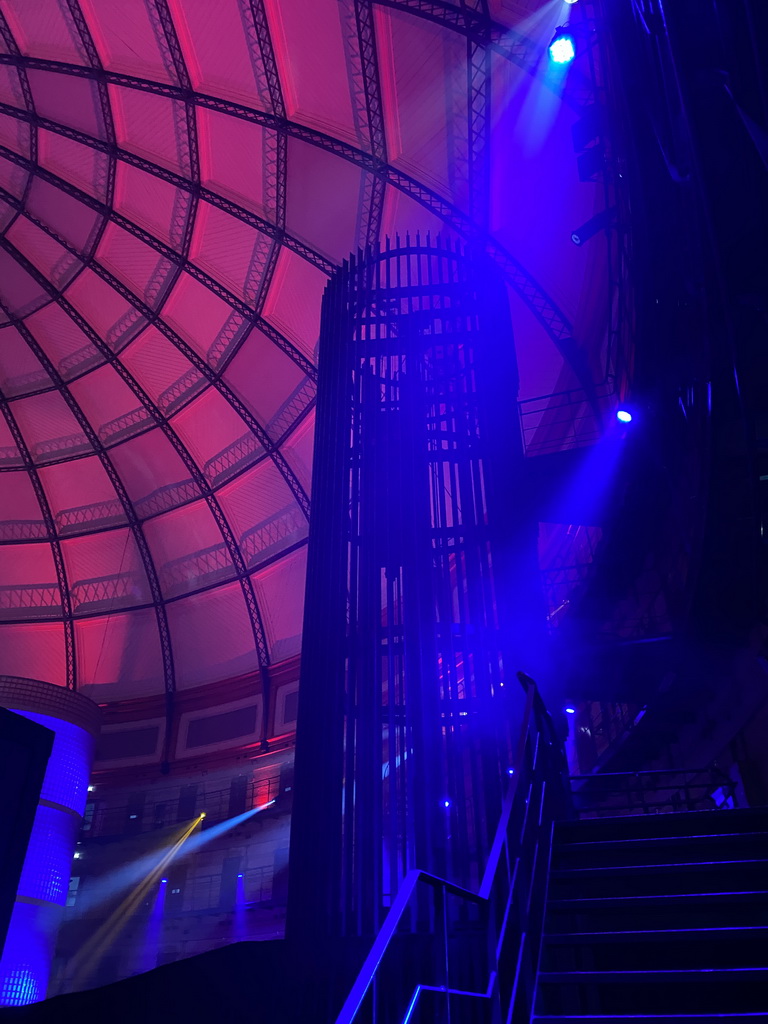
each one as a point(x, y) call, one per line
point(571, 1)
point(562, 49)
point(570, 711)
point(601, 220)
point(202, 814)
point(624, 416)
point(446, 803)
point(163, 881)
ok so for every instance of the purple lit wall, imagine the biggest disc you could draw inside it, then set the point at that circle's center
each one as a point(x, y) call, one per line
point(44, 883)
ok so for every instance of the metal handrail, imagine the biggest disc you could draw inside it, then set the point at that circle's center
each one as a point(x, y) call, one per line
point(536, 716)
point(680, 780)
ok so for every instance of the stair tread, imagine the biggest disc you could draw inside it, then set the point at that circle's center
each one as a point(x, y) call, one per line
point(665, 975)
point(602, 869)
point(653, 933)
point(661, 1018)
point(714, 897)
point(661, 840)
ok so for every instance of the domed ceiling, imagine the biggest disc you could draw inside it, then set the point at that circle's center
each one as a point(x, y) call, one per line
point(177, 180)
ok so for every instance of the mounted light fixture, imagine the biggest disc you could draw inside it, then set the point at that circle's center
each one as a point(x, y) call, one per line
point(562, 48)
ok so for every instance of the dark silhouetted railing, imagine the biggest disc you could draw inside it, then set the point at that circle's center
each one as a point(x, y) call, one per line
point(657, 791)
point(442, 947)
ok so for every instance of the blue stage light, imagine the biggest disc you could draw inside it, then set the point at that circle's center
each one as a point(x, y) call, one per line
point(623, 416)
point(446, 803)
point(163, 881)
point(562, 49)
point(570, 711)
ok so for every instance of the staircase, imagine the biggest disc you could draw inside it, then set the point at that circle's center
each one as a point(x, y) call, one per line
point(657, 917)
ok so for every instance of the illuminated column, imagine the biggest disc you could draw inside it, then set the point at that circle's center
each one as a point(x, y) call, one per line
point(42, 892)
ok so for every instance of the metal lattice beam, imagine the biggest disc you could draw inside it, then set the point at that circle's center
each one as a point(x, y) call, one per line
point(70, 653)
point(135, 526)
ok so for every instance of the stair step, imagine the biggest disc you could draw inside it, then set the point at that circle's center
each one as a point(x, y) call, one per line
point(694, 1018)
point(649, 826)
point(652, 879)
point(664, 849)
point(602, 913)
point(666, 992)
point(656, 949)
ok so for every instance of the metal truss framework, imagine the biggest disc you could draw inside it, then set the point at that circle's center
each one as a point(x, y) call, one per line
point(471, 18)
point(543, 307)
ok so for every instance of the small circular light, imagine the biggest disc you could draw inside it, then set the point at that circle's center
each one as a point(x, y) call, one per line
point(623, 416)
point(562, 49)
point(163, 881)
point(570, 711)
point(510, 771)
point(202, 814)
point(240, 875)
point(446, 803)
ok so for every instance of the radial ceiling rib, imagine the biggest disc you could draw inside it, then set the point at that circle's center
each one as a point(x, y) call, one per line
point(552, 319)
point(151, 316)
point(70, 651)
point(169, 674)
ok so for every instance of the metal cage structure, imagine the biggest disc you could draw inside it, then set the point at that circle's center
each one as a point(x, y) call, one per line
point(423, 592)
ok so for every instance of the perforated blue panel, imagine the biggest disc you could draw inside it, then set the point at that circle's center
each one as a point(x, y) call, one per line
point(66, 780)
point(31, 939)
point(48, 864)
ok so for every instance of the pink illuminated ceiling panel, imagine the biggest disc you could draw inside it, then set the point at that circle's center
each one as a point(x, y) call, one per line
point(68, 100)
point(153, 473)
point(63, 341)
point(201, 318)
point(44, 28)
point(293, 303)
point(153, 204)
point(81, 497)
point(18, 505)
point(35, 651)
point(262, 513)
point(210, 428)
point(17, 499)
point(424, 88)
point(113, 410)
point(105, 572)
point(162, 370)
point(212, 636)
point(15, 135)
point(47, 255)
point(20, 370)
point(106, 311)
point(188, 549)
point(129, 38)
point(316, 49)
point(231, 251)
point(64, 215)
point(237, 160)
point(221, 49)
point(136, 264)
point(119, 655)
point(280, 589)
point(20, 293)
point(74, 162)
point(49, 428)
point(151, 126)
point(324, 193)
point(27, 565)
point(262, 375)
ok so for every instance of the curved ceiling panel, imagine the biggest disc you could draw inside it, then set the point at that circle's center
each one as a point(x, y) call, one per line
point(177, 180)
